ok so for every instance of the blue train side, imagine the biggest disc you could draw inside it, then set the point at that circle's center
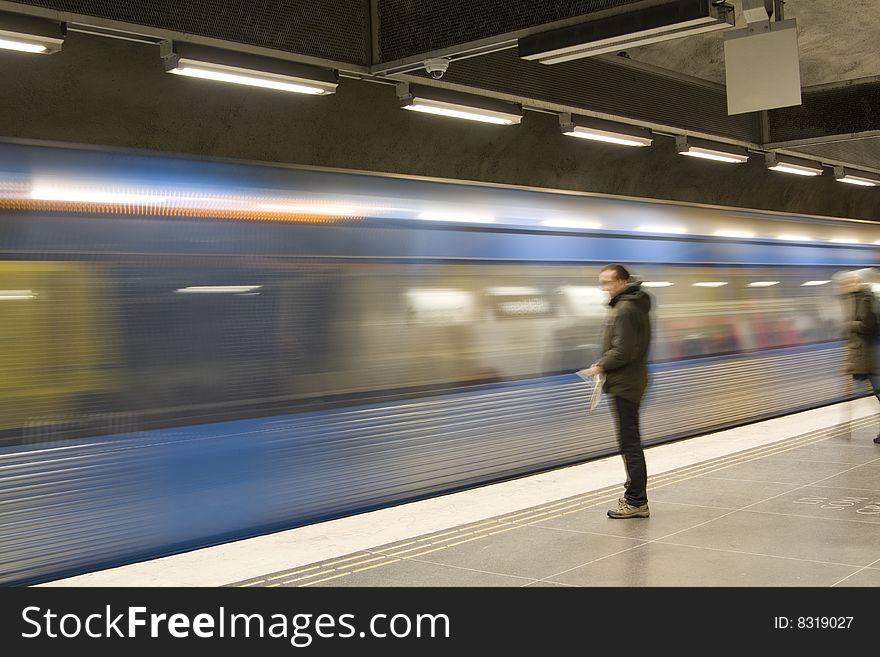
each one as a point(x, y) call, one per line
point(170, 384)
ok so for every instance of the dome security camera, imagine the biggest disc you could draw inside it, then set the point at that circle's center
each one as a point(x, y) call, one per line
point(436, 66)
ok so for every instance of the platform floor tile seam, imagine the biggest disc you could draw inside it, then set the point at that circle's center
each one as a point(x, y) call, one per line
point(809, 517)
point(731, 509)
point(870, 566)
point(856, 568)
point(700, 524)
point(784, 483)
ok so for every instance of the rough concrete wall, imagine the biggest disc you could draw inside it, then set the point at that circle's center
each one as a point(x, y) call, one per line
point(108, 92)
point(837, 40)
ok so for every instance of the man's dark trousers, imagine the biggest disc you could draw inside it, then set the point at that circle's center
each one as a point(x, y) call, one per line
point(626, 415)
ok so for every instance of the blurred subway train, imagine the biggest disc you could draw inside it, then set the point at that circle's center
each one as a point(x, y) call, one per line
point(196, 351)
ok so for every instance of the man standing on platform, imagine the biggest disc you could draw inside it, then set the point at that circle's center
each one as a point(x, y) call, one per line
point(624, 363)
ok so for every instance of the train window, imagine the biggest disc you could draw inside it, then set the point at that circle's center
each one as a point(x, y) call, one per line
point(519, 303)
point(584, 301)
point(692, 338)
point(440, 305)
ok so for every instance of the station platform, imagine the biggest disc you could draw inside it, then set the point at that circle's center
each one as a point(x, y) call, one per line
point(793, 501)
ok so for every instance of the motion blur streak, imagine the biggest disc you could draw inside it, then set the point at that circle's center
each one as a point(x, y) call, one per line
point(168, 384)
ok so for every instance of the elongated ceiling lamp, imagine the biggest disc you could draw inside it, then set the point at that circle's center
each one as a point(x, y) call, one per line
point(252, 70)
point(794, 165)
point(708, 150)
point(604, 131)
point(443, 102)
point(27, 34)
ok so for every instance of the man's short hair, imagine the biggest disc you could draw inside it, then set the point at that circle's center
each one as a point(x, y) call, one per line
point(619, 271)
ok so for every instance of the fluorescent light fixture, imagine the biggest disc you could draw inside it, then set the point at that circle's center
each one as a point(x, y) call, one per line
point(734, 233)
point(814, 283)
point(789, 168)
point(14, 295)
point(669, 20)
point(657, 284)
point(861, 178)
point(791, 237)
point(464, 217)
point(22, 46)
point(445, 109)
point(29, 34)
point(708, 150)
point(571, 223)
point(796, 165)
point(86, 195)
point(443, 102)
point(207, 72)
point(710, 284)
point(844, 240)
point(678, 230)
point(855, 180)
point(251, 70)
point(763, 283)
point(218, 289)
point(604, 131)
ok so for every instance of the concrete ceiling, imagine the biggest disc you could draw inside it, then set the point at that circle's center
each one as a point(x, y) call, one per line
point(837, 40)
point(676, 87)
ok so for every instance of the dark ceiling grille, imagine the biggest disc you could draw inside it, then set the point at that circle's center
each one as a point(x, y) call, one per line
point(412, 27)
point(331, 30)
point(839, 111)
point(858, 152)
point(604, 86)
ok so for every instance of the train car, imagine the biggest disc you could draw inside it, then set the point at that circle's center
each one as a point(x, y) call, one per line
point(196, 351)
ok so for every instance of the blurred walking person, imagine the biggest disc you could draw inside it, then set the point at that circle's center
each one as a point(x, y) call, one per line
point(860, 330)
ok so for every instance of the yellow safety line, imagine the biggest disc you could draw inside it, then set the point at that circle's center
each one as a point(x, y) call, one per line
point(314, 567)
point(327, 579)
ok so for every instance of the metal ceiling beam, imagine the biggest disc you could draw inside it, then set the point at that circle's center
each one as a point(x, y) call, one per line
point(490, 40)
point(629, 30)
point(466, 51)
point(827, 139)
point(374, 32)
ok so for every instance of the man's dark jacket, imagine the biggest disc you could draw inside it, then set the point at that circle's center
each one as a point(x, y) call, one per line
point(626, 342)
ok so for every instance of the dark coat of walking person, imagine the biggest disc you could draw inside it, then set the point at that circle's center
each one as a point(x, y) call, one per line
point(624, 363)
point(860, 331)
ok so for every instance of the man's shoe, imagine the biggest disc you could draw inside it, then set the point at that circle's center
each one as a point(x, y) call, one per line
point(626, 510)
point(877, 440)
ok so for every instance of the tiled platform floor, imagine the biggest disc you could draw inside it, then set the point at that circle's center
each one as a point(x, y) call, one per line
point(802, 512)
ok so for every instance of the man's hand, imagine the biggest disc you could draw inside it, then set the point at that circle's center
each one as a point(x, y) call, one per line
point(595, 370)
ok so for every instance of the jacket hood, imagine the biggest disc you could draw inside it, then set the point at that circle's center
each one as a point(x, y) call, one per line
point(633, 292)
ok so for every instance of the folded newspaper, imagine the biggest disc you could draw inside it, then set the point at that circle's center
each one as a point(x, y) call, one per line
point(598, 383)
